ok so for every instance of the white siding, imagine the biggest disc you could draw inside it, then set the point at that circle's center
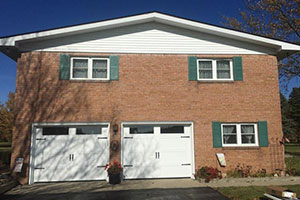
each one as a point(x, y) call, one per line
point(148, 38)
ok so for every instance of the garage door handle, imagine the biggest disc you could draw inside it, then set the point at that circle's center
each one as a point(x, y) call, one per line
point(101, 166)
point(102, 137)
point(157, 155)
point(185, 136)
point(71, 157)
point(39, 168)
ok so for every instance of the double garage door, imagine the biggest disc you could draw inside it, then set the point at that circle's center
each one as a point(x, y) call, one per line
point(71, 152)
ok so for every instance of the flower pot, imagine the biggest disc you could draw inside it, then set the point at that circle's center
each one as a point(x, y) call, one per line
point(114, 178)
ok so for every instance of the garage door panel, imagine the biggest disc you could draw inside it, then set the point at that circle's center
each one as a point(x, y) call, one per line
point(175, 171)
point(139, 154)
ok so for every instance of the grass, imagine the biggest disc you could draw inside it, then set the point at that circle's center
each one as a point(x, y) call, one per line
point(5, 149)
point(293, 163)
point(251, 192)
point(5, 146)
point(292, 148)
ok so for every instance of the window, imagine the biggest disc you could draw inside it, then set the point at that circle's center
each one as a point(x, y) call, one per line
point(210, 69)
point(89, 68)
point(239, 134)
point(56, 130)
point(141, 129)
point(172, 129)
point(88, 130)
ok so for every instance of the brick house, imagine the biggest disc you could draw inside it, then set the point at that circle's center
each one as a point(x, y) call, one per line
point(158, 93)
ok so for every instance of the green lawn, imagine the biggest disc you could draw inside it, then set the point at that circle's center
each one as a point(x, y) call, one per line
point(5, 149)
point(5, 144)
point(251, 192)
point(292, 148)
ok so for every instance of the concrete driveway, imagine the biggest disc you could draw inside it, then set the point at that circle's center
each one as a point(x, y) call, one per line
point(131, 189)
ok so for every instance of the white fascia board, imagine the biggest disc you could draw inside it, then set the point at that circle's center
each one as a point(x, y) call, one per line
point(11, 41)
point(158, 17)
point(210, 29)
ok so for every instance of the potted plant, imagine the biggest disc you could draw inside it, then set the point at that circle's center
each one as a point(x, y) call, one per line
point(114, 172)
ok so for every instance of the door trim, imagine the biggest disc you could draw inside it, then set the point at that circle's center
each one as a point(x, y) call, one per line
point(190, 123)
point(43, 124)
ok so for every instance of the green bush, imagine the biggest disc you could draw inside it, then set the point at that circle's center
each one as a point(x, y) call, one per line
point(242, 171)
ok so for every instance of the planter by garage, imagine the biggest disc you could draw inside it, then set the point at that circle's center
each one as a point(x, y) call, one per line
point(114, 178)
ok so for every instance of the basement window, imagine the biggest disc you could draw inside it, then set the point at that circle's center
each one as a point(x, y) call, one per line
point(241, 134)
point(83, 68)
point(214, 69)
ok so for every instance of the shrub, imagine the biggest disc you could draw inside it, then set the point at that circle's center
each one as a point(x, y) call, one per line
point(208, 173)
point(242, 171)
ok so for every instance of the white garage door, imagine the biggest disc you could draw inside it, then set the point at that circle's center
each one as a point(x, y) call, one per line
point(157, 151)
point(70, 152)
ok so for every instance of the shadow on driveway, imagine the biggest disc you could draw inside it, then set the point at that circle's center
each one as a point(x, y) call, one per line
point(149, 194)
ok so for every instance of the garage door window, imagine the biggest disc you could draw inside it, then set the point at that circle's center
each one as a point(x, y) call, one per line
point(88, 130)
point(173, 129)
point(57, 130)
point(141, 129)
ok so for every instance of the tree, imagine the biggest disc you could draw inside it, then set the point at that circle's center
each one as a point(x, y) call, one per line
point(278, 19)
point(7, 118)
point(288, 124)
point(294, 110)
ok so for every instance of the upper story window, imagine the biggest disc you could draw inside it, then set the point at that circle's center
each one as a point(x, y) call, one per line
point(215, 69)
point(244, 134)
point(83, 68)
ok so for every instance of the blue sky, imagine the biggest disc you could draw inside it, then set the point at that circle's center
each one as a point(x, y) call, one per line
point(33, 15)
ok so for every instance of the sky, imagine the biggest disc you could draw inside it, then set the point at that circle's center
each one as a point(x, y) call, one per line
point(21, 16)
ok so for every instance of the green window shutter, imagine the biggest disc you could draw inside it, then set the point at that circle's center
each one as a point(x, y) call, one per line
point(263, 134)
point(237, 68)
point(114, 68)
point(217, 135)
point(192, 68)
point(64, 67)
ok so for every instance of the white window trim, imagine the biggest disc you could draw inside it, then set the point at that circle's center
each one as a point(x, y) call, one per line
point(214, 70)
point(90, 68)
point(239, 135)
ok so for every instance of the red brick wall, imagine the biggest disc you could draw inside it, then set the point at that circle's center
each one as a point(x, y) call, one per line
point(153, 88)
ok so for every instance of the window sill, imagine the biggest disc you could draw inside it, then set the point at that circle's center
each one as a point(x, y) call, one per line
point(216, 81)
point(89, 81)
point(241, 148)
